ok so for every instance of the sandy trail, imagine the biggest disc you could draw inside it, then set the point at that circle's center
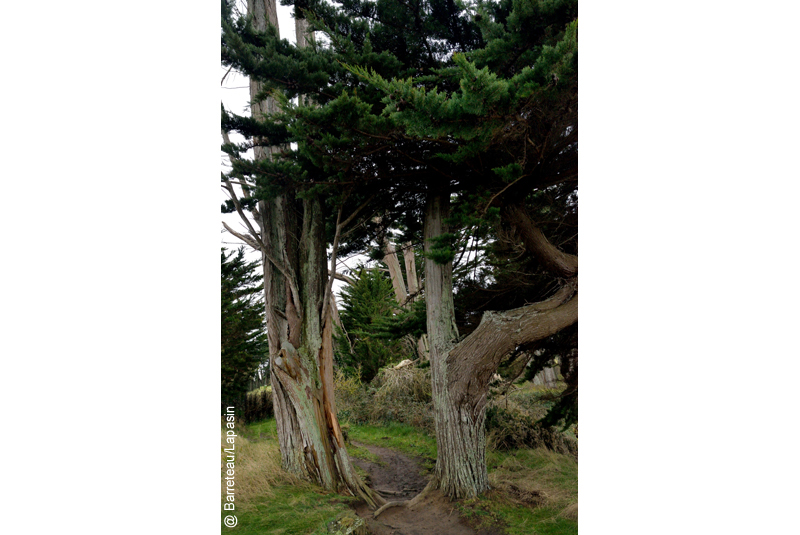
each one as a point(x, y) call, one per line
point(399, 477)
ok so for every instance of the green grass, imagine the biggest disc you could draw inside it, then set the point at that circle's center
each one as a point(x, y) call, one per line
point(362, 453)
point(400, 437)
point(292, 510)
point(306, 510)
point(553, 474)
point(267, 427)
point(283, 509)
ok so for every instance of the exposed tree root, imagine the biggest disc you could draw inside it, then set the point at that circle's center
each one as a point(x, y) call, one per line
point(432, 484)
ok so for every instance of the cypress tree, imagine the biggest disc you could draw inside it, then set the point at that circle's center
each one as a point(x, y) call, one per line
point(456, 116)
point(243, 337)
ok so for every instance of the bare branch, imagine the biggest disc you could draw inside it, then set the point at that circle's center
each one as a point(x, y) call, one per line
point(344, 278)
point(329, 285)
point(339, 226)
point(226, 75)
point(247, 239)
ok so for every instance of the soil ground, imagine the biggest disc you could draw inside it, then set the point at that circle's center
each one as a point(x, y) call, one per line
point(400, 477)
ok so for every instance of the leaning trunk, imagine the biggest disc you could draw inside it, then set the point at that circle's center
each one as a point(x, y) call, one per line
point(461, 371)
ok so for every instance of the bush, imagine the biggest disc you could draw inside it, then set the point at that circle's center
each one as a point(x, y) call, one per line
point(402, 396)
point(258, 405)
point(513, 422)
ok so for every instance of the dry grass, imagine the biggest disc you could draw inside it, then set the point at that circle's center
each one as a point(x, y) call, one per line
point(571, 511)
point(402, 396)
point(538, 478)
point(407, 383)
point(257, 469)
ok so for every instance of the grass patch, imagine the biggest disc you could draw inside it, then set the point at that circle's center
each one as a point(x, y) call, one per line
point(268, 500)
point(362, 453)
point(263, 430)
point(291, 510)
point(402, 437)
point(534, 492)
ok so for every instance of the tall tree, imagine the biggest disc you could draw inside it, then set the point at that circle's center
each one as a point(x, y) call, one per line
point(243, 337)
point(291, 237)
point(511, 129)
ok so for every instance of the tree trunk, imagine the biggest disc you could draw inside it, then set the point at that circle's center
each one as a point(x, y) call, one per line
point(461, 371)
point(395, 273)
point(414, 287)
point(301, 350)
point(460, 436)
point(301, 346)
point(404, 299)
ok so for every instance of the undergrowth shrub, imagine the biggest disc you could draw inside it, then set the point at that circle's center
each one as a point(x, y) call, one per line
point(258, 405)
point(513, 422)
point(394, 395)
point(404, 396)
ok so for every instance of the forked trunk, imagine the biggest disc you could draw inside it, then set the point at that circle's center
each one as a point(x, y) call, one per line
point(300, 340)
point(301, 349)
point(461, 371)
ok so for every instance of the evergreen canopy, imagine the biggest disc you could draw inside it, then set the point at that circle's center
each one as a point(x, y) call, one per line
point(476, 100)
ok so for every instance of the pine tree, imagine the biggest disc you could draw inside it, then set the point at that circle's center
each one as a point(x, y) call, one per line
point(244, 340)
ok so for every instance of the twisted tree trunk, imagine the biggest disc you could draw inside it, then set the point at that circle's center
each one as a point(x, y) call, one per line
point(291, 239)
point(461, 371)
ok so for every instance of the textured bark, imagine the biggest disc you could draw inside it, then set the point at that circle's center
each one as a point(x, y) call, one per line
point(411, 269)
point(301, 355)
point(291, 239)
point(553, 259)
point(460, 372)
point(414, 287)
point(460, 436)
point(395, 273)
point(264, 13)
point(473, 361)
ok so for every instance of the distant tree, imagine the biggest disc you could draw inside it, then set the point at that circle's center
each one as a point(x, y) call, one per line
point(244, 339)
point(368, 305)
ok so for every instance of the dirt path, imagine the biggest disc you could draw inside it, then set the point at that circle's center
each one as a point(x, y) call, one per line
point(399, 477)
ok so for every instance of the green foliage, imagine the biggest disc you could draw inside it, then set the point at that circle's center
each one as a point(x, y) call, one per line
point(368, 308)
point(408, 97)
point(243, 340)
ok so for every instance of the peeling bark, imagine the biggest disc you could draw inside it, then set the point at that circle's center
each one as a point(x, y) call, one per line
point(301, 363)
point(291, 239)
